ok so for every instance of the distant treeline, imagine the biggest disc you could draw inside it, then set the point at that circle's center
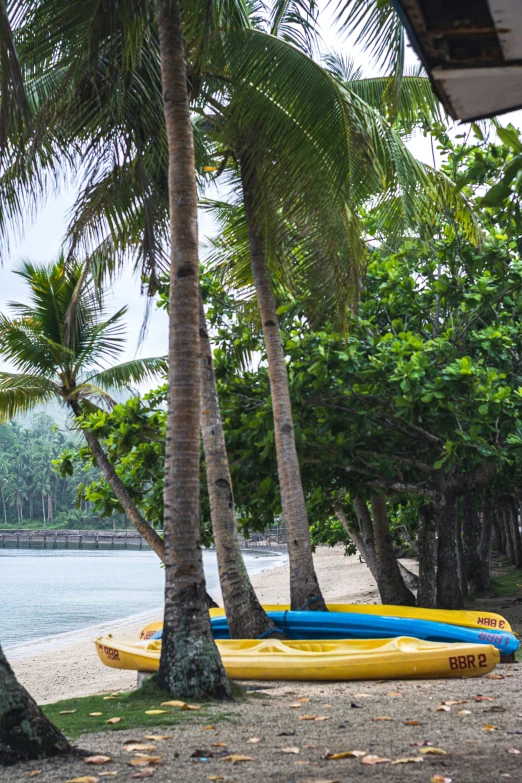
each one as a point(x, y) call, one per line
point(32, 493)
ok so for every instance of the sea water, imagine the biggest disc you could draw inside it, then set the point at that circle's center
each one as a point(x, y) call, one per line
point(48, 592)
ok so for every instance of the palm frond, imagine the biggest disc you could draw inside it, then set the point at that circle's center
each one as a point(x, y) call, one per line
point(133, 372)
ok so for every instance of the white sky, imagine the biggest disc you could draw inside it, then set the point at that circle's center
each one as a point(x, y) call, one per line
point(42, 239)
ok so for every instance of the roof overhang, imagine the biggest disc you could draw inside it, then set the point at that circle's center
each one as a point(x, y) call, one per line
point(472, 51)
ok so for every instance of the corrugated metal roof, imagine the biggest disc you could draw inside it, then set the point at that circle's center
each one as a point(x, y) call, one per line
point(472, 50)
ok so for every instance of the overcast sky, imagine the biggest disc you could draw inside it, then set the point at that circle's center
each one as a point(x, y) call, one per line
point(42, 239)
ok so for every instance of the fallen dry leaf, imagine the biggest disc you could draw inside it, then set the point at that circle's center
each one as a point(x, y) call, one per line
point(411, 722)
point(108, 774)
point(307, 717)
point(289, 750)
point(144, 761)
point(191, 707)
point(214, 777)
point(409, 760)
point(84, 779)
point(394, 694)
point(155, 712)
point(382, 717)
point(295, 706)
point(514, 751)
point(303, 700)
point(235, 757)
point(115, 694)
point(67, 712)
point(440, 779)
point(495, 677)
point(174, 703)
point(435, 751)
point(95, 714)
point(208, 728)
point(109, 698)
point(361, 695)
point(97, 759)
point(464, 712)
point(346, 754)
point(34, 773)
point(130, 746)
point(253, 741)
point(490, 727)
point(374, 760)
point(159, 737)
point(484, 698)
point(443, 708)
point(220, 744)
point(113, 720)
point(451, 702)
point(145, 773)
point(322, 717)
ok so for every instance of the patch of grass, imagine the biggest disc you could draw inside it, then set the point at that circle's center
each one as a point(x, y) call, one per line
point(131, 708)
point(508, 583)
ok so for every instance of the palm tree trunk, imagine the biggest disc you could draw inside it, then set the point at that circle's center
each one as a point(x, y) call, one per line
point(25, 732)
point(304, 586)
point(5, 509)
point(190, 664)
point(246, 617)
point(43, 508)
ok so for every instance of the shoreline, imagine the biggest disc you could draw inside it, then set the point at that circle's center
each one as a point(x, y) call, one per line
point(67, 666)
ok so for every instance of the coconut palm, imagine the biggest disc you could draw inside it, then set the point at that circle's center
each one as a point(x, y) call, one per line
point(60, 359)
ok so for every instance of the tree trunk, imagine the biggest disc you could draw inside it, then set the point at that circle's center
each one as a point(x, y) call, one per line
point(449, 594)
point(389, 579)
point(505, 518)
point(190, 663)
point(25, 732)
point(411, 580)
point(5, 509)
point(460, 553)
point(43, 510)
point(246, 617)
point(366, 543)
point(304, 586)
point(427, 592)
point(49, 508)
point(471, 540)
point(500, 540)
point(517, 541)
point(482, 579)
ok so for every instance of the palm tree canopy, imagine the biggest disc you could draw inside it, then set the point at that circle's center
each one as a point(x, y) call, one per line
point(64, 354)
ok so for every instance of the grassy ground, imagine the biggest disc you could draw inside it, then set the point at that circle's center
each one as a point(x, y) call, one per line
point(74, 716)
point(508, 581)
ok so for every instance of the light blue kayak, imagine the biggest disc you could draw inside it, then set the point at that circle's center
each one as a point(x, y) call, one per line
point(339, 625)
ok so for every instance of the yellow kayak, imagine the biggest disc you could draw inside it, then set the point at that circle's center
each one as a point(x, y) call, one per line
point(273, 659)
point(467, 619)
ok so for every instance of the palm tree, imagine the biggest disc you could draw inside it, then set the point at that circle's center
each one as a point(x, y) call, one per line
point(63, 359)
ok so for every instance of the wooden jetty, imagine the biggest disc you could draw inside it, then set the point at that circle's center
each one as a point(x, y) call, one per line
point(71, 539)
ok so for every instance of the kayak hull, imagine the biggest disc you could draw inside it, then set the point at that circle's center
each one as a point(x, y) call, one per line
point(321, 660)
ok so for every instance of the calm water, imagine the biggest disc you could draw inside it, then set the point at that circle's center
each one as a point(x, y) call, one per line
point(46, 592)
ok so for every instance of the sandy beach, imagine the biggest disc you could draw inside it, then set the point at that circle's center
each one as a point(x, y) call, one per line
point(67, 666)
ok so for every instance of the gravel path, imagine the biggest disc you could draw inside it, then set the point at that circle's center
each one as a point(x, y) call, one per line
point(481, 736)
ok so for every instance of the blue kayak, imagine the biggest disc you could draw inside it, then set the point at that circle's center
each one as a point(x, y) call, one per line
point(340, 625)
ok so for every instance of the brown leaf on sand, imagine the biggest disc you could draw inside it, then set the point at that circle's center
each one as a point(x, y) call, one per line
point(394, 694)
point(443, 708)
point(236, 757)
point(514, 751)
point(382, 717)
point(409, 760)
point(159, 737)
point(490, 727)
point(289, 750)
point(411, 722)
point(131, 746)
point(295, 706)
point(464, 712)
point(307, 717)
point(253, 741)
point(208, 728)
point(346, 754)
point(440, 779)
point(484, 698)
point(142, 760)
point(434, 751)
point(495, 677)
point(84, 779)
point(214, 777)
point(97, 759)
point(113, 720)
point(145, 773)
point(451, 702)
point(220, 744)
point(374, 760)
point(303, 700)
point(34, 773)
point(322, 717)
